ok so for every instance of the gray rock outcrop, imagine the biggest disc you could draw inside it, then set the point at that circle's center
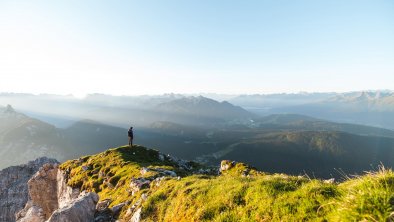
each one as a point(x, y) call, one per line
point(14, 189)
point(52, 200)
point(136, 216)
point(43, 189)
point(81, 209)
point(31, 213)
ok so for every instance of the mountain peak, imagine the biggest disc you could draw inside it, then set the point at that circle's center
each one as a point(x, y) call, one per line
point(203, 107)
point(9, 109)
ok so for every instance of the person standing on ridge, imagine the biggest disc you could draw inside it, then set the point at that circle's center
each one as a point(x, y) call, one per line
point(131, 136)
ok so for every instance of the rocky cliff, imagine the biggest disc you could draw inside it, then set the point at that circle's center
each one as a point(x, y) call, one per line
point(14, 189)
point(52, 200)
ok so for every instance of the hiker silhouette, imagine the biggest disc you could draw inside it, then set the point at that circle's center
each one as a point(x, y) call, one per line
point(131, 136)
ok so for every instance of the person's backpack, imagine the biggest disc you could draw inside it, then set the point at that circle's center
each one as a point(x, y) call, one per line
point(130, 132)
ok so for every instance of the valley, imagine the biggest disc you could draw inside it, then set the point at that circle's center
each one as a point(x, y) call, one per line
point(199, 129)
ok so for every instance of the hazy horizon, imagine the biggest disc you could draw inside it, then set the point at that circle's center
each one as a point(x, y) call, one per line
point(205, 94)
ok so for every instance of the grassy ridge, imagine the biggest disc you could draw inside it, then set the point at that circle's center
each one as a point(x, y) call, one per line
point(273, 198)
point(231, 196)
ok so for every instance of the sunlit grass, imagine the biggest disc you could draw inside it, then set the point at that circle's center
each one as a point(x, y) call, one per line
point(233, 196)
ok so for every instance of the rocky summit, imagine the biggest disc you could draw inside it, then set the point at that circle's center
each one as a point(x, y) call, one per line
point(139, 184)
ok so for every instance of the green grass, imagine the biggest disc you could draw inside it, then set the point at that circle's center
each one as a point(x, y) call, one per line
point(109, 173)
point(369, 198)
point(229, 198)
point(233, 196)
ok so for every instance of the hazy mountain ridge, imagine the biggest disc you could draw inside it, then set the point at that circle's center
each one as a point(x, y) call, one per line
point(122, 111)
point(263, 102)
point(267, 137)
point(23, 138)
point(367, 108)
point(364, 107)
point(301, 122)
point(370, 100)
point(270, 101)
point(196, 109)
point(129, 101)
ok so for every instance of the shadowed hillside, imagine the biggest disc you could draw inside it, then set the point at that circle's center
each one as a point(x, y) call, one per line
point(320, 154)
point(23, 138)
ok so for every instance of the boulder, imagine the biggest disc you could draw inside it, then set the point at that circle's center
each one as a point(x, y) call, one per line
point(64, 192)
point(43, 189)
point(162, 171)
point(136, 216)
point(31, 214)
point(81, 209)
point(137, 184)
point(117, 208)
point(102, 205)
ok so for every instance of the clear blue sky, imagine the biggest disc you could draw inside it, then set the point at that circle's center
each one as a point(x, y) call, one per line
point(151, 47)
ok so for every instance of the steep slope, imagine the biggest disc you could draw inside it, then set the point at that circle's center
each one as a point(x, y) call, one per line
point(23, 138)
point(153, 187)
point(320, 154)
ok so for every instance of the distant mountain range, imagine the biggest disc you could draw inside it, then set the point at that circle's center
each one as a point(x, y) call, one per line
point(306, 123)
point(278, 143)
point(368, 101)
point(368, 108)
point(351, 101)
point(261, 103)
point(125, 111)
point(206, 130)
point(375, 108)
